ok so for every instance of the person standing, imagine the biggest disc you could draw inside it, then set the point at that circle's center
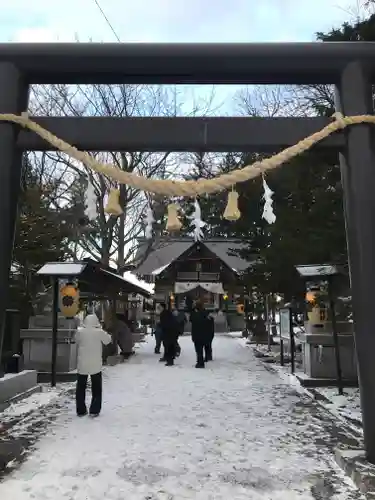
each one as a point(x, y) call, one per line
point(202, 333)
point(169, 331)
point(90, 338)
point(123, 335)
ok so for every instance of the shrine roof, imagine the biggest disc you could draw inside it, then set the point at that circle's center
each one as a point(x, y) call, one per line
point(94, 277)
point(167, 251)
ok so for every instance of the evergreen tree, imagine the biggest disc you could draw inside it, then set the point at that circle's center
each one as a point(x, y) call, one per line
point(44, 232)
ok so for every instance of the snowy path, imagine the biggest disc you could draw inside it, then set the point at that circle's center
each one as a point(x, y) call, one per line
point(231, 431)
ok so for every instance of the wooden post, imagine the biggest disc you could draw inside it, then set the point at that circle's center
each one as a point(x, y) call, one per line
point(55, 319)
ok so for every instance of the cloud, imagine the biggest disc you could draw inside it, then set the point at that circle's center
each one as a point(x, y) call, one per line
point(171, 20)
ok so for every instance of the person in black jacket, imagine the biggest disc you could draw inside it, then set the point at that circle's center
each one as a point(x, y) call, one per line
point(180, 319)
point(169, 334)
point(202, 333)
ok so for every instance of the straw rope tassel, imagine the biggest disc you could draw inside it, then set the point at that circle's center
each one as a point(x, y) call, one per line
point(173, 221)
point(113, 206)
point(232, 211)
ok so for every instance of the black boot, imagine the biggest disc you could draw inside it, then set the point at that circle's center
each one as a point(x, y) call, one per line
point(199, 366)
point(162, 360)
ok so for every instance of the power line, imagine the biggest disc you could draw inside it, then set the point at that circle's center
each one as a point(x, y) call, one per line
point(107, 20)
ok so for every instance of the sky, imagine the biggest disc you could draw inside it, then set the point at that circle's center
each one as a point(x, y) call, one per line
point(171, 20)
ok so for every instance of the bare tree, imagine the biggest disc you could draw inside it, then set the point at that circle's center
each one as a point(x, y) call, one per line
point(294, 100)
point(369, 4)
point(267, 100)
point(110, 239)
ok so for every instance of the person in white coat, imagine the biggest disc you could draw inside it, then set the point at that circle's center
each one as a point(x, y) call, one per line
point(90, 338)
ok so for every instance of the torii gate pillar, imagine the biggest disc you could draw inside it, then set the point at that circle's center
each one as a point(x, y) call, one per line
point(13, 99)
point(358, 177)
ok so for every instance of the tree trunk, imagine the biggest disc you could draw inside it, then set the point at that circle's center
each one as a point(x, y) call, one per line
point(121, 249)
point(105, 254)
point(121, 226)
point(273, 315)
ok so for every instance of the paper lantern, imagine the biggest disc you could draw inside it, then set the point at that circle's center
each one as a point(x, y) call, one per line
point(310, 297)
point(240, 309)
point(69, 300)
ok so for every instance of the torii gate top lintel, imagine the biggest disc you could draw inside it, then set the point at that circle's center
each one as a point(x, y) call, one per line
point(250, 63)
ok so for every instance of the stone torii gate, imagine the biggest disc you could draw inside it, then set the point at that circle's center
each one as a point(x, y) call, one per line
point(350, 66)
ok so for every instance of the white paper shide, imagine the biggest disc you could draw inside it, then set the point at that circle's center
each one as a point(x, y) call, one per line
point(268, 213)
point(90, 202)
point(149, 220)
point(198, 223)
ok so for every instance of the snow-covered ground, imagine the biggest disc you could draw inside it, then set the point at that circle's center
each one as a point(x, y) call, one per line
point(231, 431)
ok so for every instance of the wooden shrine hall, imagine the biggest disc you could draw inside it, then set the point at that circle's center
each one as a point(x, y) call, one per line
point(186, 270)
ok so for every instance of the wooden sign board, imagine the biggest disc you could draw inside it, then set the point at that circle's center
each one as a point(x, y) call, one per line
point(285, 323)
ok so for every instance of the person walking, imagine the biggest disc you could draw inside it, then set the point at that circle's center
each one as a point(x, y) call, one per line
point(158, 336)
point(169, 332)
point(211, 336)
point(90, 338)
point(180, 320)
point(202, 333)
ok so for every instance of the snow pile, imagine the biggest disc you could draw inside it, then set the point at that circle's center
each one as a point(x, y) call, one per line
point(32, 403)
point(347, 406)
point(233, 430)
point(26, 420)
point(236, 335)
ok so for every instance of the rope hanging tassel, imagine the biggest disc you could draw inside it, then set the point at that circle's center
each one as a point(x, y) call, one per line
point(113, 206)
point(90, 202)
point(173, 221)
point(232, 211)
point(149, 220)
point(268, 213)
point(198, 223)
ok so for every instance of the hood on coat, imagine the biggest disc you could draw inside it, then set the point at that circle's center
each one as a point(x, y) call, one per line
point(91, 321)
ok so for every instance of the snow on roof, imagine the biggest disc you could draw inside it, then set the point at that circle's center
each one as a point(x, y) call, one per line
point(132, 278)
point(162, 256)
point(61, 269)
point(159, 270)
point(311, 271)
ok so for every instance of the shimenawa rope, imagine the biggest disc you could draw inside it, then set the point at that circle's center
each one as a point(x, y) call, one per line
point(189, 188)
